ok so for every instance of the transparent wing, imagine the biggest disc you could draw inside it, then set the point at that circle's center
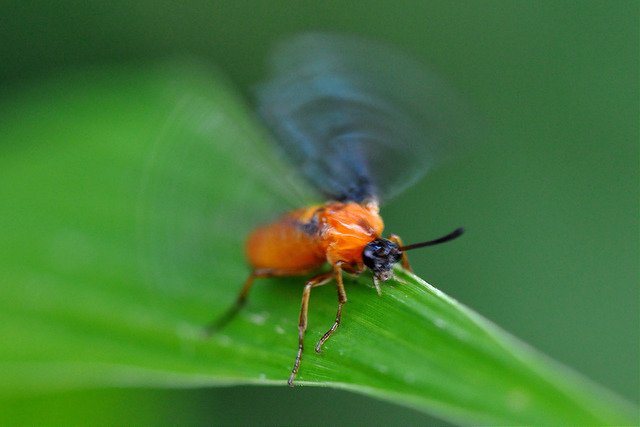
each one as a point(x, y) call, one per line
point(359, 119)
point(211, 176)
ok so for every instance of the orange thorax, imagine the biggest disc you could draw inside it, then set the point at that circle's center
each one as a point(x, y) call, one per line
point(349, 228)
point(307, 238)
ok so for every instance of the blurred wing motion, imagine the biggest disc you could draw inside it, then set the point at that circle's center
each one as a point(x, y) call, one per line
point(211, 176)
point(360, 120)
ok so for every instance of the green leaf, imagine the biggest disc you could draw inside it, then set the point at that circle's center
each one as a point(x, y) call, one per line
point(126, 193)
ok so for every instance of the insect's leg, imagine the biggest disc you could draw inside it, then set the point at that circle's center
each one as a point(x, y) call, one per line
point(353, 268)
point(405, 259)
point(342, 298)
point(319, 280)
point(222, 321)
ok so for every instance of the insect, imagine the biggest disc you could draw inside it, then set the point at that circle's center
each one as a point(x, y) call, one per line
point(355, 118)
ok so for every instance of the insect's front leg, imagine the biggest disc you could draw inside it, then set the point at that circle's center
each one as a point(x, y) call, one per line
point(355, 269)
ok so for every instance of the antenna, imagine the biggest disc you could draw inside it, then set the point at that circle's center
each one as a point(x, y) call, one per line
point(454, 234)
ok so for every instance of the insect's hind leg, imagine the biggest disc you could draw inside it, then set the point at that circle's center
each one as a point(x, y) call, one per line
point(258, 273)
point(318, 280)
point(222, 321)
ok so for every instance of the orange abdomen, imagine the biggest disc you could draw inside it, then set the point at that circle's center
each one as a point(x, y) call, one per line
point(306, 238)
point(285, 245)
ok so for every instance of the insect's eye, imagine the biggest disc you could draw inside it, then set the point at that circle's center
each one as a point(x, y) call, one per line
point(381, 254)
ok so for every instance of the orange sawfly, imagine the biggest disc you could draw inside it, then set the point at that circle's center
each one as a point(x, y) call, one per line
point(354, 119)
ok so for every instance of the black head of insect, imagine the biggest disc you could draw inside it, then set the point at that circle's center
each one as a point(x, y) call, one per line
point(381, 254)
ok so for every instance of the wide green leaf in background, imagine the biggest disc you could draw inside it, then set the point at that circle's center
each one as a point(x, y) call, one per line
point(122, 227)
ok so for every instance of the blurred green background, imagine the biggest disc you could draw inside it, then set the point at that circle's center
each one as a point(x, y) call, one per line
point(550, 196)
